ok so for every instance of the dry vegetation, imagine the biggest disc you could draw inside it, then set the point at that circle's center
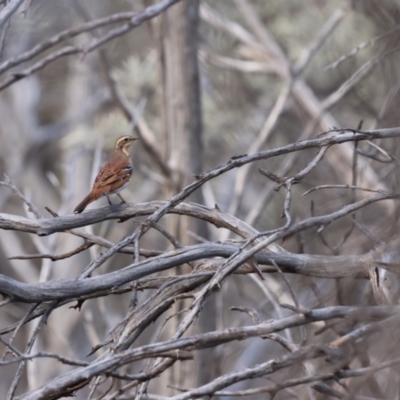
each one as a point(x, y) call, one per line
point(257, 254)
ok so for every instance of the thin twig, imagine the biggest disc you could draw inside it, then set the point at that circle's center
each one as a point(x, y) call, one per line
point(54, 257)
point(31, 207)
point(342, 187)
point(250, 311)
point(360, 47)
point(136, 20)
point(62, 36)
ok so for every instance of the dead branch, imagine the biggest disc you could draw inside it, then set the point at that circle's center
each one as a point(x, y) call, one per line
point(61, 385)
point(92, 45)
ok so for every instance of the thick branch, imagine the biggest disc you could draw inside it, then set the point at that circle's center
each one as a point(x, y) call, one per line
point(321, 266)
point(64, 383)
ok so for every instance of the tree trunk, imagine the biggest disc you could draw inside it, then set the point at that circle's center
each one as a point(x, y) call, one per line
point(184, 149)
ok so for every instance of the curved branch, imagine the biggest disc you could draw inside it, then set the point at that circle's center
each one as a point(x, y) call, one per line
point(47, 226)
point(66, 382)
point(320, 266)
point(62, 36)
point(136, 20)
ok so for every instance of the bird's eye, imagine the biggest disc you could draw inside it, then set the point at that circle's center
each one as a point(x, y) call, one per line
point(126, 139)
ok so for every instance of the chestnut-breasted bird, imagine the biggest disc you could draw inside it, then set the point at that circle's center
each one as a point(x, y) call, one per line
point(114, 176)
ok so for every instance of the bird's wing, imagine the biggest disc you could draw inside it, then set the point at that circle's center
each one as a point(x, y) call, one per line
point(113, 173)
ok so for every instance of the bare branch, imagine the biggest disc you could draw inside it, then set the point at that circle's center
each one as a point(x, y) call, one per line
point(93, 44)
point(342, 187)
point(61, 385)
point(72, 289)
point(54, 257)
point(7, 12)
point(331, 24)
point(63, 36)
point(360, 47)
point(31, 207)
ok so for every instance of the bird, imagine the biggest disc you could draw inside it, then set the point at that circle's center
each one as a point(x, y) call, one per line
point(113, 176)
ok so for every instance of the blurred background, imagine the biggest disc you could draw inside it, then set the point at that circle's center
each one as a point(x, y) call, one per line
point(203, 82)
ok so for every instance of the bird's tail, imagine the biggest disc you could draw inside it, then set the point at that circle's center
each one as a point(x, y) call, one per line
point(83, 204)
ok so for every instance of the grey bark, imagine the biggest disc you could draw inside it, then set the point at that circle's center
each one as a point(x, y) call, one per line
point(183, 128)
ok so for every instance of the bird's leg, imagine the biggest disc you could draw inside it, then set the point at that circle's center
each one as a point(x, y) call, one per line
point(122, 200)
point(109, 201)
